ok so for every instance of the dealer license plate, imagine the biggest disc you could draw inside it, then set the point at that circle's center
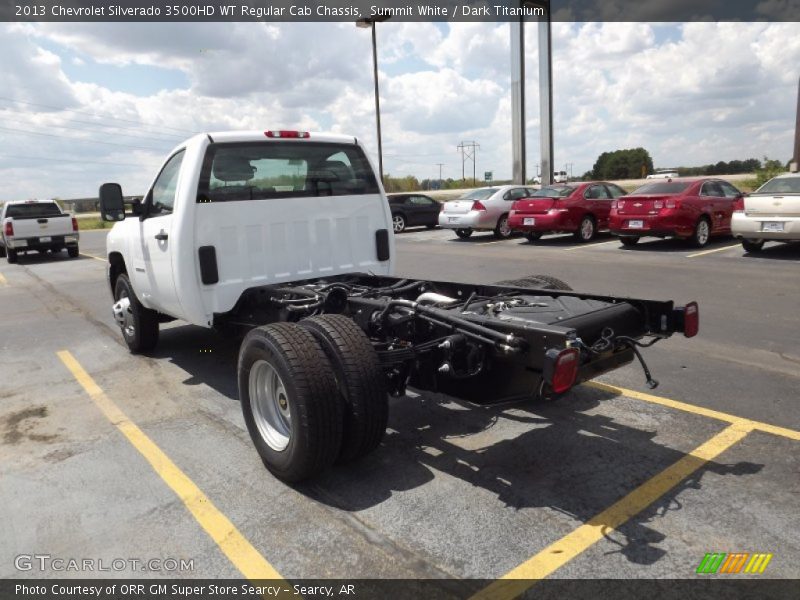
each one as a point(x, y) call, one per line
point(452, 219)
point(45, 239)
point(529, 221)
point(772, 226)
point(636, 224)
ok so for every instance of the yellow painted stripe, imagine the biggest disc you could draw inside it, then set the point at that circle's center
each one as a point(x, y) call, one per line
point(698, 410)
point(232, 543)
point(541, 565)
point(704, 252)
point(767, 558)
point(93, 256)
point(3, 280)
point(592, 245)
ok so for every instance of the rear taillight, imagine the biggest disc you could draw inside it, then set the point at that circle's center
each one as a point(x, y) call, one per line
point(673, 203)
point(614, 205)
point(287, 134)
point(738, 204)
point(9, 229)
point(620, 203)
point(691, 319)
point(74, 224)
point(658, 205)
point(562, 368)
point(478, 206)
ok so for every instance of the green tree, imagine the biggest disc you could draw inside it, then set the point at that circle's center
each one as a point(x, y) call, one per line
point(630, 163)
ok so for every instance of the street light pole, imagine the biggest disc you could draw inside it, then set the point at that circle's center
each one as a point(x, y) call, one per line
point(364, 23)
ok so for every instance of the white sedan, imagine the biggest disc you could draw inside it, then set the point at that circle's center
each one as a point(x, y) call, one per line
point(772, 212)
point(482, 209)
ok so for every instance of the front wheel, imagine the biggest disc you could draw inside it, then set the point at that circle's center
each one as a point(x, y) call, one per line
point(532, 236)
point(398, 223)
point(463, 233)
point(586, 230)
point(753, 245)
point(289, 400)
point(139, 325)
point(701, 234)
point(629, 241)
point(503, 230)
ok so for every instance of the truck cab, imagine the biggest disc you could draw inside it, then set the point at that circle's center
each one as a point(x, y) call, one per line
point(231, 211)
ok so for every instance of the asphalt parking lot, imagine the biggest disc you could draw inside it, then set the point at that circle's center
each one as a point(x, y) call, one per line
point(108, 455)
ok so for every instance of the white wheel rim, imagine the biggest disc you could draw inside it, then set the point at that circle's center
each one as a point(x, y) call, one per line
point(587, 229)
point(269, 402)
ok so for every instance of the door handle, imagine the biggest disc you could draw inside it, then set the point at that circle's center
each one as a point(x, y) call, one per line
point(162, 236)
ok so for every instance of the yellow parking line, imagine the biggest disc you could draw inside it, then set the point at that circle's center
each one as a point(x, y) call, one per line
point(698, 410)
point(519, 579)
point(592, 245)
point(3, 280)
point(240, 552)
point(94, 257)
point(704, 252)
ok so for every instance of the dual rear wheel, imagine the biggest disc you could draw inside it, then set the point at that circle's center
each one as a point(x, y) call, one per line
point(312, 394)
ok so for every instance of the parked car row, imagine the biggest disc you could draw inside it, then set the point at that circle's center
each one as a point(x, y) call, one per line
point(692, 209)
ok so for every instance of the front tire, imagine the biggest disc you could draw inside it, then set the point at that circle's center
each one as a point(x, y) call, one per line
point(398, 223)
point(702, 233)
point(753, 245)
point(532, 236)
point(463, 233)
point(586, 230)
point(629, 241)
point(139, 325)
point(289, 401)
point(502, 231)
point(361, 382)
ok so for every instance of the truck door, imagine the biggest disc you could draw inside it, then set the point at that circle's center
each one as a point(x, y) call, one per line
point(158, 284)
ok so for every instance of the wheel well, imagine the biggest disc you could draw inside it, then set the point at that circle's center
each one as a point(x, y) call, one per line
point(116, 267)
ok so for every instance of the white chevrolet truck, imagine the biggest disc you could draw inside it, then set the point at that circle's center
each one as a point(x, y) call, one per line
point(286, 237)
point(36, 226)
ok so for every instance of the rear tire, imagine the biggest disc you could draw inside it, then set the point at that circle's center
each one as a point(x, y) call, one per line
point(398, 223)
point(73, 251)
point(11, 256)
point(586, 230)
point(502, 231)
point(753, 245)
point(431, 226)
point(463, 233)
point(629, 241)
point(532, 236)
point(361, 382)
point(2, 251)
point(543, 282)
point(702, 233)
point(140, 329)
point(289, 401)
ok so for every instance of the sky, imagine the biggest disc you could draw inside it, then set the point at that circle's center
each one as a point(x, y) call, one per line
point(86, 103)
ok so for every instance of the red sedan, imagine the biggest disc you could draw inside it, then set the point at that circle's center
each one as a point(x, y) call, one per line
point(688, 209)
point(578, 208)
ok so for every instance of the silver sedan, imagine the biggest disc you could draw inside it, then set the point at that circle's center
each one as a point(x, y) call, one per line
point(482, 209)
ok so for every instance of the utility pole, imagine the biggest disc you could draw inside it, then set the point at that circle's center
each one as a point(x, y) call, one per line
point(440, 174)
point(794, 166)
point(468, 150)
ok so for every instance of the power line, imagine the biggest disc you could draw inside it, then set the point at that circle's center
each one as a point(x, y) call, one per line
point(78, 139)
point(468, 151)
point(67, 160)
point(82, 112)
point(130, 135)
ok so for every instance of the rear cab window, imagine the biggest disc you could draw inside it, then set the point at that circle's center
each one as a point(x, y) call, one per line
point(34, 210)
point(265, 170)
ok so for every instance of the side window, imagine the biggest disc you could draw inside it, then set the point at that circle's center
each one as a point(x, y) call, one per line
point(597, 192)
point(421, 201)
point(729, 190)
point(615, 191)
point(517, 193)
point(163, 194)
point(711, 188)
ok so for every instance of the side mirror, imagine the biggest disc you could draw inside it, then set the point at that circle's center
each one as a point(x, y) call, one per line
point(112, 206)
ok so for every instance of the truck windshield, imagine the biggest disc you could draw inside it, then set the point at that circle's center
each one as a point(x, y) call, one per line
point(34, 210)
point(264, 170)
point(671, 187)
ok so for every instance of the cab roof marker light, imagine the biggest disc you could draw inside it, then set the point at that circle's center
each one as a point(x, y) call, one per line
point(283, 133)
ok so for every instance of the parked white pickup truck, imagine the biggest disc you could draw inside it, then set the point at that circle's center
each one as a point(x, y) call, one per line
point(287, 236)
point(36, 225)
